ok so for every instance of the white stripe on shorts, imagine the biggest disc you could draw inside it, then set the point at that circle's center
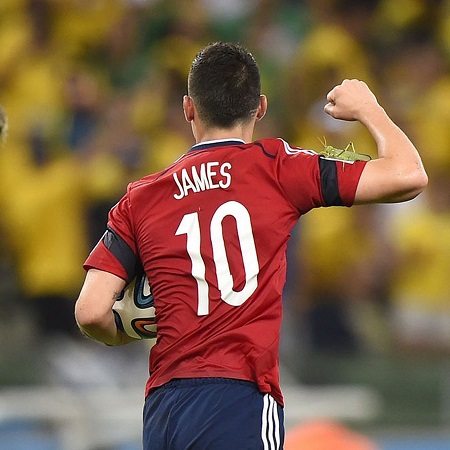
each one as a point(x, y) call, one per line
point(270, 430)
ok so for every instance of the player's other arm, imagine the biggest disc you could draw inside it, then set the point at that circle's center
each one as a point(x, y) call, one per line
point(93, 309)
point(397, 174)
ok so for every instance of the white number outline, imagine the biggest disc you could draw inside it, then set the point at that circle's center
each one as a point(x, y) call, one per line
point(190, 225)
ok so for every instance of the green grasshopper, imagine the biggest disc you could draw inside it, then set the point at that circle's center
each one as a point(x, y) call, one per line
point(347, 154)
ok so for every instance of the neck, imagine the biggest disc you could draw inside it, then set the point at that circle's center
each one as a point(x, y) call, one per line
point(244, 133)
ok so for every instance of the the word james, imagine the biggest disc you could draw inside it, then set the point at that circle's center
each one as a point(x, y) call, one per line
point(210, 175)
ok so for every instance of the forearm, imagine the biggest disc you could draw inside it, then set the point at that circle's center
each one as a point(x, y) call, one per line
point(399, 170)
point(105, 331)
point(392, 142)
point(93, 309)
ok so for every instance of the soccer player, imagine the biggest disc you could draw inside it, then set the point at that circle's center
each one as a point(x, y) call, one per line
point(211, 232)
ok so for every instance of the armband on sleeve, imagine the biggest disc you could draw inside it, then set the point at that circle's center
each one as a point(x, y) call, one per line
point(121, 251)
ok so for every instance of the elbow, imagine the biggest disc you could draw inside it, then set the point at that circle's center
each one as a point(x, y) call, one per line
point(420, 182)
point(86, 316)
point(414, 184)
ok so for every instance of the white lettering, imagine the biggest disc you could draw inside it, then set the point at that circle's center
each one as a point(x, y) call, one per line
point(201, 182)
point(187, 183)
point(180, 188)
point(212, 174)
point(226, 174)
point(202, 178)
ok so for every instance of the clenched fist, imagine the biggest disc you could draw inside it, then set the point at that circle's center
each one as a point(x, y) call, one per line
point(351, 100)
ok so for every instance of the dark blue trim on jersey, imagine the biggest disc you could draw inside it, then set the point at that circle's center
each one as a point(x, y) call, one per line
point(213, 144)
point(121, 251)
point(329, 182)
point(269, 155)
point(205, 146)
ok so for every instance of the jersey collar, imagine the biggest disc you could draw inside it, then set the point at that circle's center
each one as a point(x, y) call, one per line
point(215, 143)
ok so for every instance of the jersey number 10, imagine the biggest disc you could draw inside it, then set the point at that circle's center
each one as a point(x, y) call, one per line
point(190, 226)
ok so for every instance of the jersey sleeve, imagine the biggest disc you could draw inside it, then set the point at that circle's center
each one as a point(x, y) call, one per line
point(309, 180)
point(116, 251)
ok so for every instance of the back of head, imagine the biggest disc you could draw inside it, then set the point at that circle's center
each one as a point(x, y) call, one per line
point(224, 82)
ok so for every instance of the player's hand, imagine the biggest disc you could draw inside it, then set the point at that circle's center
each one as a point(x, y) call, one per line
point(351, 100)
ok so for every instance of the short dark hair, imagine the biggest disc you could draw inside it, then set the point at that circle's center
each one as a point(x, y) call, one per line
point(224, 82)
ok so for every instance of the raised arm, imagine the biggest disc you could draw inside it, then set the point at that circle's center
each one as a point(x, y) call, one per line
point(397, 175)
point(93, 309)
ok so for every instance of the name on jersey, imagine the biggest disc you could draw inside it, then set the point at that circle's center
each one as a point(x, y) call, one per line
point(209, 175)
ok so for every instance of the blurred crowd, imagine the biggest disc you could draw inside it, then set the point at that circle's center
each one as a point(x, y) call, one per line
point(93, 89)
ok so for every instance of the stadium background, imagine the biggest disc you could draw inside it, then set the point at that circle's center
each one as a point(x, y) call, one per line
point(93, 89)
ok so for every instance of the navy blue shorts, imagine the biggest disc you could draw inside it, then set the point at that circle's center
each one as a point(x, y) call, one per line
point(212, 414)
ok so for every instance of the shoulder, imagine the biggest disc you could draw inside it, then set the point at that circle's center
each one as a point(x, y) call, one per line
point(278, 147)
point(136, 187)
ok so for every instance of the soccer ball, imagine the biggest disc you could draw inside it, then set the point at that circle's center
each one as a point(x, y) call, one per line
point(134, 312)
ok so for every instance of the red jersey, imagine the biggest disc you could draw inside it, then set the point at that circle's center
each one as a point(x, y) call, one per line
point(211, 232)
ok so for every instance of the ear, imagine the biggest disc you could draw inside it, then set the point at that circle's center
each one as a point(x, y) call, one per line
point(188, 108)
point(262, 108)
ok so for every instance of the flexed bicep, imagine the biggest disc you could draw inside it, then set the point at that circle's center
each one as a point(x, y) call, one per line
point(380, 182)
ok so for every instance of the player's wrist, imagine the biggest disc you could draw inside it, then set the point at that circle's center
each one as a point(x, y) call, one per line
point(371, 113)
point(122, 338)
